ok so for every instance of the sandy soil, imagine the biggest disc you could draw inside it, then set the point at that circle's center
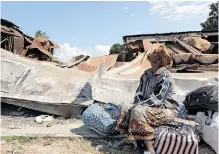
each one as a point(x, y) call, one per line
point(56, 146)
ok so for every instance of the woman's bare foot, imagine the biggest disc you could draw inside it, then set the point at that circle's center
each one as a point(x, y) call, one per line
point(150, 147)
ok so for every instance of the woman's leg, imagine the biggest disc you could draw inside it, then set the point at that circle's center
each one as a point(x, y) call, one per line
point(150, 147)
point(123, 120)
point(122, 126)
point(143, 119)
point(139, 129)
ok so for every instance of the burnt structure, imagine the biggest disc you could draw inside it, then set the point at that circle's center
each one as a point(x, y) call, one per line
point(15, 41)
point(211, 36)
point(196, 42)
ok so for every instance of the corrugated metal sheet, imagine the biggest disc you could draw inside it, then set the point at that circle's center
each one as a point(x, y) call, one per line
point(188, 47)
point(9, 31)
point(36, 46)
point(139, 64)
point(171, 33)
point(198, 43)
point(8, 23)
point(22, 43)
point(39, 85)
point(18, 45)
point(45, 43)
point(119, 85)
point(74, 61)
point(93, 63)
point(176, 48)
point(189, 58)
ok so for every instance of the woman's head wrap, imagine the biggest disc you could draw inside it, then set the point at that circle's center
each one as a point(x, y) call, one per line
point(164, 55)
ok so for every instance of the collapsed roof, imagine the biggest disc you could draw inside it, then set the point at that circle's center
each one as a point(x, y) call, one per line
point(14, 40)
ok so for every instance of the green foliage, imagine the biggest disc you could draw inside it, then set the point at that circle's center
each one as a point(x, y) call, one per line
point(212, 21)
point(20, 139)
point(39, 33)
point(116, 49)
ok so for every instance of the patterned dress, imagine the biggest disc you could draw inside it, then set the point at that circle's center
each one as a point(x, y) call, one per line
point(154, 105)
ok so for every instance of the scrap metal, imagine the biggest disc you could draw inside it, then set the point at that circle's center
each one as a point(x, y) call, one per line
point(61, 91)
point(74, 61)
point(188, 47)
point(93, 63)
point(198, 43)
point(189, 58)
point(19, 43)
point(46, 88)
point(166, 37)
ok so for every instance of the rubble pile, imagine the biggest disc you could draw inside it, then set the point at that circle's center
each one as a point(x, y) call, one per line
point(15, 41)
point(68, 88)
point(101, 78)
point(189, 53)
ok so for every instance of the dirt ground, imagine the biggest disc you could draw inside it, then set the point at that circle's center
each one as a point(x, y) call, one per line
point(13, 116)
point(56, 146)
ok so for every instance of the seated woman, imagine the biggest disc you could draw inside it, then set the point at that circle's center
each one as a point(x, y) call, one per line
point(154, 102)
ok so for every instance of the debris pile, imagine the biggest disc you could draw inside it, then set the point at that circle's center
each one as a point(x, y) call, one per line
point(15, 41)
point(188, 53)
point(66, 88)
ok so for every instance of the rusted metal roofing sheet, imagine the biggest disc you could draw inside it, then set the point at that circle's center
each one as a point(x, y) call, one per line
point(93, 63)
point(172, 33)
point(45, 43)
point(139, 64)
point(74, 61)
point(189, 58)
point(10, 31)
point(8, 23)
point(188, 47)
point(176, 48)
point(36, 46)
point(22, 43)
point(198, 43)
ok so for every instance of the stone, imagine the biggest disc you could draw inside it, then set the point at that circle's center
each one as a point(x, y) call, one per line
point(49, 125)
point(45, 143)
point(43, 118)
point(14, 127)
point(99, 147)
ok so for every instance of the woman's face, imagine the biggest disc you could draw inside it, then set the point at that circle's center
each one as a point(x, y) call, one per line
point(154, 58)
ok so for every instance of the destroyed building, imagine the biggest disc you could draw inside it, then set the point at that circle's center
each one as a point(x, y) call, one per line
point(67, 88)
point(17, 42)
point(201, 41)
point(211, 36)
point(187, 48)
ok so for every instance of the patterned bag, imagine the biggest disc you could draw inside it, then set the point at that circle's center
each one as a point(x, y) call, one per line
point(175, 140)
point(101, 119)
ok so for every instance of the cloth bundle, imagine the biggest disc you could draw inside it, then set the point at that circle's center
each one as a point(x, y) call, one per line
point(101, 119)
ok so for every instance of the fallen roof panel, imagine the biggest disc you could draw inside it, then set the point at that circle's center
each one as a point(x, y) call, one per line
point(31, 81)
point(93, 63)
point(119, 85)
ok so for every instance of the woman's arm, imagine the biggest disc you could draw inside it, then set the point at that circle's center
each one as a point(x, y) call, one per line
point(162, 90)
point(160, 93)
point(139, 91)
